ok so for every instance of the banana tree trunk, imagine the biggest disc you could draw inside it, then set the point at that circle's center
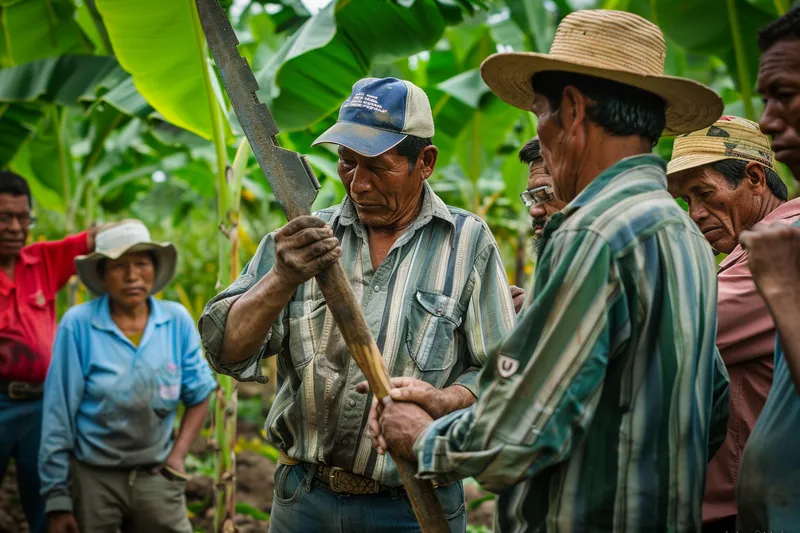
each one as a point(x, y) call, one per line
point(225, 407)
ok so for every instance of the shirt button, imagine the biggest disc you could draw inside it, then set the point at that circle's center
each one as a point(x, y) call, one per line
point(352, 403)
point(376, 288)
point(345, 441)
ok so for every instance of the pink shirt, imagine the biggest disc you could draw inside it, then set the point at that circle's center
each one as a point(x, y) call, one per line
point(746, 340)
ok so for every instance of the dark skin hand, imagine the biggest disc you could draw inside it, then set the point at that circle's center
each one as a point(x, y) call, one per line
point(62, 522)
point(303, 248)
point(401, 424)
point(435, 402)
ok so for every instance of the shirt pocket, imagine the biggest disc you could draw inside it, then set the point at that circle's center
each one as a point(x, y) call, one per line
point(308, 330)
point(432, 321)
point(166, 389)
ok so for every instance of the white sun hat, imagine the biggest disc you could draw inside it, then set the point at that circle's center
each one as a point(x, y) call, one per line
point(128, 236)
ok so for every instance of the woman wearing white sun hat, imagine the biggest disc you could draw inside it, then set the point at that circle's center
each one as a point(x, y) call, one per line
point(121, 363)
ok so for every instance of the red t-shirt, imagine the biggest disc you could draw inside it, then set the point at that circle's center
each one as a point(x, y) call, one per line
point(28, 307)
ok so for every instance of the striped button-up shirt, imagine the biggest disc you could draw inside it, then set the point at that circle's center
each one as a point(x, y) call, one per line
point(436, 305)
point(601, 409)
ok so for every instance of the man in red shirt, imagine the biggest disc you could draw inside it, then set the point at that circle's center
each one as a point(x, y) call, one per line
point(30, 277)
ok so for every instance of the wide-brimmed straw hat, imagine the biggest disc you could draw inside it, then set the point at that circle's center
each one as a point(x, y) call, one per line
point(125, 237)
point(728, 138)
point(613, 45)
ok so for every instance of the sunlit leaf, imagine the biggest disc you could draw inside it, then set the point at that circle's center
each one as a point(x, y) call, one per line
point(156, 41)
point(35, 29)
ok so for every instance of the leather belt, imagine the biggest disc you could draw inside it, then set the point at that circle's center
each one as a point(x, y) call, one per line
point(339, 480)
point(345, 482)
point(21, 390)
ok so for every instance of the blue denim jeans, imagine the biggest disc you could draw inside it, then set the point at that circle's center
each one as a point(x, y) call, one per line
point(20, 433)
point(303, 504)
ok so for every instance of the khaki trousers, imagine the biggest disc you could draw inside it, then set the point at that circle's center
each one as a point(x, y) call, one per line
point(107, 500)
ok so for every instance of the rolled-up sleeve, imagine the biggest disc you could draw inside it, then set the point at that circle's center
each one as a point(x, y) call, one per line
point(490, 312)
point(63, 391)
point(214, 319)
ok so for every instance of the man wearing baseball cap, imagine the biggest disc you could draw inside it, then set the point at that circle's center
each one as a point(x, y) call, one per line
point(726, 174)
point(432, 288)
point(601, 409)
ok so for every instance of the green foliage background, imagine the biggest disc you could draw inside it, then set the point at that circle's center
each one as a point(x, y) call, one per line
point(113, 109)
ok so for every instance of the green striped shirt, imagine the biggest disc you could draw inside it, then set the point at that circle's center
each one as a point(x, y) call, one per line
point(604, 405)
point(436, 306)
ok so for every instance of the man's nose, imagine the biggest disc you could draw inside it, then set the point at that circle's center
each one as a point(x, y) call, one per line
point(770, 122)
point(538, 211)
point(15, 225)
point(361, 182)
point(697, 212)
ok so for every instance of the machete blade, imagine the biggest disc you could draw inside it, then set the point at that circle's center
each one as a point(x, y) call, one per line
point(288, 173)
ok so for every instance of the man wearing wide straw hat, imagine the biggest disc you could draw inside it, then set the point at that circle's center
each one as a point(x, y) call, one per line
point(726, 174)
point(121, 364)
point(600, 410)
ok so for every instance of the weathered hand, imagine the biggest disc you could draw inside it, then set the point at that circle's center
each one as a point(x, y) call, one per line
point(177, 462)
point(62, 522)
point(401, 423)
point(518, 295)
point(303, 248)
point(773, 257)
point(435, 402)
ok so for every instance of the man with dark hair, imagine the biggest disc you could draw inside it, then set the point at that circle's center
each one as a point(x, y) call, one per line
point(766, 491)
point(30, 277)
point(433, 290)
point(540, 201)
point(726, 175)
point(539, 197)
point(600, 410)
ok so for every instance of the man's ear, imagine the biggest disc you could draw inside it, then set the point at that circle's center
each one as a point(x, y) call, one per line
point(756, 178)
point(573, 111)
point(427, 161)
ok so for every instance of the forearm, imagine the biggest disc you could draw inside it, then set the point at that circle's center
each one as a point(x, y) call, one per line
point(784, 305)
point(251, 317)
point(193, 419)
point(456, 397)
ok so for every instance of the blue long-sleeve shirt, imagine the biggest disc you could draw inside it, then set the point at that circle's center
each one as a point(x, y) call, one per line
point(111, 404)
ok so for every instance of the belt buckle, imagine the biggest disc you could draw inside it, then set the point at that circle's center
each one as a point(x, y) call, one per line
point(332, 479)
point(23, 388)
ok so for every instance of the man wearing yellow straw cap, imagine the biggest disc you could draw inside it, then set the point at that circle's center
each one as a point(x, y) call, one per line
point(726, 175)
point(600, 410)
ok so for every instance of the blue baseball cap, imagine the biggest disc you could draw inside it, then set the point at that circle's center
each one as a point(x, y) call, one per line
point(378, 115)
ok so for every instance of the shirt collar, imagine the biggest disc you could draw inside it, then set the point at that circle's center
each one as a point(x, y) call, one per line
point(606, 179)
point(101, 319)
point(432, 207)
point(790, 209)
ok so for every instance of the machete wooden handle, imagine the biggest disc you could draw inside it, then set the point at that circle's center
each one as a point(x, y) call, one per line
point(347, 313)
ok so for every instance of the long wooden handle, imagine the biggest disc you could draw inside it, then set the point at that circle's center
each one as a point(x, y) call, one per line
point(347, 313)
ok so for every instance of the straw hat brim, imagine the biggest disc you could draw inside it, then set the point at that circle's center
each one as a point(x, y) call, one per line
point(690, 105)
point(690, 161)
point(166, 259)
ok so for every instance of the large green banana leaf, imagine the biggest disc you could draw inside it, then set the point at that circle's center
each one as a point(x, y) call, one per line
point(18, 123)
point(33, 29)
point(62, 80)
point(160, 43)
point(315, 70)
